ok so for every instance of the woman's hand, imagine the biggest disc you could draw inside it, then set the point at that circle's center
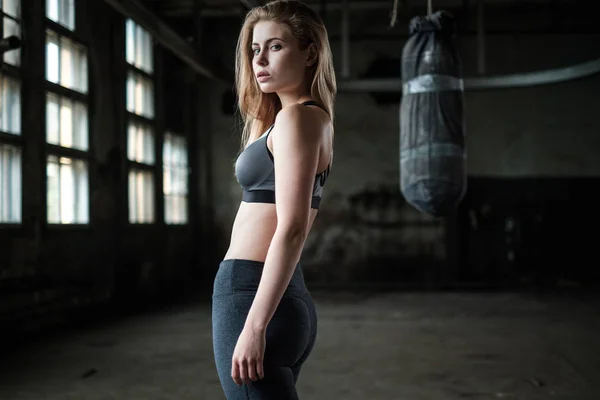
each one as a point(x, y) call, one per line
point(247, 361)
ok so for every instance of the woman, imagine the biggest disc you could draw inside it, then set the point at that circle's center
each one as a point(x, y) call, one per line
point(264, 319)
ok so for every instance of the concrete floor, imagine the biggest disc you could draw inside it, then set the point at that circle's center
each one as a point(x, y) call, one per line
point(416, 346)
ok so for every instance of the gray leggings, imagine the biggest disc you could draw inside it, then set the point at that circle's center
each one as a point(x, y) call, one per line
point(290, 335)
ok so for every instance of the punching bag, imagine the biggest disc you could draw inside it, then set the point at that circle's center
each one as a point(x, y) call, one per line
point(432, 131)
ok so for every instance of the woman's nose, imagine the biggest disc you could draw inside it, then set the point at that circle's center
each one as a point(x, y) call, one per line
point(261, 59)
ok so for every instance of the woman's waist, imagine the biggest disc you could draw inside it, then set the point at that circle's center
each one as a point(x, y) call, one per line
point(252, 232)
point(243, 276)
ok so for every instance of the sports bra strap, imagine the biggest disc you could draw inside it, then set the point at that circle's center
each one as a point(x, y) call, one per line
point(314, 103)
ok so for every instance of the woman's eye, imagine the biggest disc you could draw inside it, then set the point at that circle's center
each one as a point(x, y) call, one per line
point(276, 47)
point(255, 51)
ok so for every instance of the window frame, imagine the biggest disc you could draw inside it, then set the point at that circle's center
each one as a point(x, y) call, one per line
point(156, 168)
point(74, 95)
point(11, 139)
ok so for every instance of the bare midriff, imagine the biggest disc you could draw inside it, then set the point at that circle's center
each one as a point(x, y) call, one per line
point(253, 230)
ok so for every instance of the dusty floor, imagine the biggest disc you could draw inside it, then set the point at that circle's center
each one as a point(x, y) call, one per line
point(416, 346)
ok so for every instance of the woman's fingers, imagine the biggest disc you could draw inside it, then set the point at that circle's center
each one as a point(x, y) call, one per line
point(235, 372)
point(252, 370)
point(259, 369)
point(245, 371)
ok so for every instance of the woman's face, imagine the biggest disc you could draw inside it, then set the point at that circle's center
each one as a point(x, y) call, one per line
point(277, 56)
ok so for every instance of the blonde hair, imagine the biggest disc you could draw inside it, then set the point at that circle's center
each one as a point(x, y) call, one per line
point(258, 109)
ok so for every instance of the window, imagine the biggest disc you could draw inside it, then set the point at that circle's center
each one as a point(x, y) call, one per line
point(11, 26)
point(10, 184)
point(61, 12)
point(67, 126)
point(141, 145)
point(11, 142)
point(67, 191)
point(175, 179)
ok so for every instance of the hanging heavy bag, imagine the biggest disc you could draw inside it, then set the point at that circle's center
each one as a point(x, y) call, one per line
point(432, 137)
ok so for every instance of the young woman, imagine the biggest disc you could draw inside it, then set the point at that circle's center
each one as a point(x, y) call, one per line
point(264, 318)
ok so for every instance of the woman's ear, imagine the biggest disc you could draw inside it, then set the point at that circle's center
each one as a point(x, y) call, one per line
point(311, 58)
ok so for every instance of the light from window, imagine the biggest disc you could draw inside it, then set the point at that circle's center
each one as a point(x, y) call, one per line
point(67, 191)
point(175, 179)
point(10, 184)
point(10, 106)
point(66, 62)
point(140, 95)
point(141, 196)
point(140, 143)
point(66, 122)
point(62, 12)
point(138, 46)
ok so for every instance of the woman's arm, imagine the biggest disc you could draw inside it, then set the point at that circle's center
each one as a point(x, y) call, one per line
point(296, 142)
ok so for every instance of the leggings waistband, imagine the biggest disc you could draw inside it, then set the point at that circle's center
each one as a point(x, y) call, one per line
point(243, 276)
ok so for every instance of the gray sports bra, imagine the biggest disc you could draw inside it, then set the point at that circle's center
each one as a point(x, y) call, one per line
point(255, 172)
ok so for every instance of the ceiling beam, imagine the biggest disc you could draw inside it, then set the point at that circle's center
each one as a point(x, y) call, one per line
point(167, 37)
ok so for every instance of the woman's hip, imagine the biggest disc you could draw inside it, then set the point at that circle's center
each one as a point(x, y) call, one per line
point(237, 276)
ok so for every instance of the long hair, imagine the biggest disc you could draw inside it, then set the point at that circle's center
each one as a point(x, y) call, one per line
point(258, 109)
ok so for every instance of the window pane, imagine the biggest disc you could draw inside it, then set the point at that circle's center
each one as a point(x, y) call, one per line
point(67, 191)
point(141, 196)
point(53, 190)
point(175, 165)
point(52, 10)
point(175, 179)
point(10, 117)
point(80, 126)
point(11, 27)
point(67, 12)
point(10, 184)
point(66, 63)
point(176, 209)
point(145, 50)
point(130, 41)
point(140, 143)
point(81, 69)
point(52, 58)
point(62, 12)
point(66, 122)
point(140, 95)
point(12, 7)
point(52, 119)
point(139, 51)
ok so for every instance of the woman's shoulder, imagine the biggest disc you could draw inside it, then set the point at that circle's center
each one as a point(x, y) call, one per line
point(299, 117)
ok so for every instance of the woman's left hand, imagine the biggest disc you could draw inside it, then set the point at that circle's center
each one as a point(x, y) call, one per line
point(247, 361)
